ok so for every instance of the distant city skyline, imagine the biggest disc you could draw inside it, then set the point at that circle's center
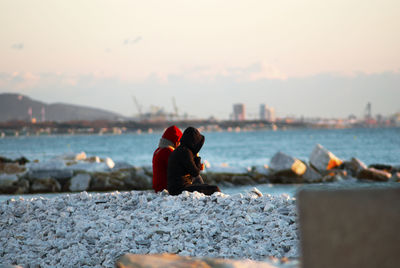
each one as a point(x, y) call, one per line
point(309, 58)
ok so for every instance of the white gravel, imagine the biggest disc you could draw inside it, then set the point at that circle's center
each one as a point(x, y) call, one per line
point(95, 229)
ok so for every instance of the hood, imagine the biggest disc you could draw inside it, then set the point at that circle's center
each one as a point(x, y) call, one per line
point(192, 139)
point(173, 134)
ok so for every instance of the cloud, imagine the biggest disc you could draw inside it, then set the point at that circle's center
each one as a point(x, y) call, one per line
point(132, 41)
point(18, 81)
point(253, 72)
point(18, 46)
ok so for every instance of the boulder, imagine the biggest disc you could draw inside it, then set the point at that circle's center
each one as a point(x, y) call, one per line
point(109, 162)
point(263, 170)
point(384, 167)
point(321, 159)
point(286, 169)
point(45, 185)
point(7, 183)
point(122, 165)
point(93, 159)
point(282, 162)
point(22, 160)
point(11, 184)
point(11, 168)
point(61, 175)
point(107, 181)
point(79, 182)
point(334, 175)
point(396, 177)
point(242, 180)
point(311, 175)
point(139, 179)
point(7, 180)
point(374, 175)
point(354, 166)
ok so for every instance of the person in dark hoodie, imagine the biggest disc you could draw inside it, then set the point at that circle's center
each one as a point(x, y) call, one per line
point(184, 166)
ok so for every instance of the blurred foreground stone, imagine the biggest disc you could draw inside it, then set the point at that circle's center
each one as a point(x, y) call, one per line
point(172, 260)
point(350, 228)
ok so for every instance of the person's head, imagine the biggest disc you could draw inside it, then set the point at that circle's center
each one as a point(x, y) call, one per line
point(173, 134)
point(192, 139)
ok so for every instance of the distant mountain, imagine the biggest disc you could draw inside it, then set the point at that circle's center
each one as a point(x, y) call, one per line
point(19, 107)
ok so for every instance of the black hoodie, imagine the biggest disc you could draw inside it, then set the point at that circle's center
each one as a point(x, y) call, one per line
point(183, 164)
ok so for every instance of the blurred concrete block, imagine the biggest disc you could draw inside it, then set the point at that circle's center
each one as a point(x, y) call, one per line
point(350, 228)
point(172, 260)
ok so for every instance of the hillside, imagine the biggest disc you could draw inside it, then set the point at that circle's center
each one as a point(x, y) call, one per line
point(17, 107)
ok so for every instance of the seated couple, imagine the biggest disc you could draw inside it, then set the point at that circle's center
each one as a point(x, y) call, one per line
point(176, 164)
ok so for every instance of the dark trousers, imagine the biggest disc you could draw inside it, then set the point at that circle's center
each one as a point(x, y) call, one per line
point(202, 188)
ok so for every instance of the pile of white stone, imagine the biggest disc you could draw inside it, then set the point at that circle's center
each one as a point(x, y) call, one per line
point(95, 229)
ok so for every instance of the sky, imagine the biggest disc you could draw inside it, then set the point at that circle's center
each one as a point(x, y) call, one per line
point(307, 58)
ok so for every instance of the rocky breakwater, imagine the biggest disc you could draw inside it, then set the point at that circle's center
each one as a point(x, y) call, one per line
point(77, 230)
point(324, 166)
point(78, 172)
point(72, 173)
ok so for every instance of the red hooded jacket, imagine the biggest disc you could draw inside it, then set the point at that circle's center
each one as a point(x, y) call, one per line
point(161, 155)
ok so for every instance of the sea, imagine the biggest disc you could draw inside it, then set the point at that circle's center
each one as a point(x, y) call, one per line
point(222, 151)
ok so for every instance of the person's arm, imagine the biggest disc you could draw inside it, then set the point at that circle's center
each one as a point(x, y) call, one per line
point(189, 163)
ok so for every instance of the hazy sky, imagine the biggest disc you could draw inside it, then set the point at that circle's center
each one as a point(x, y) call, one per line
point(311, 58)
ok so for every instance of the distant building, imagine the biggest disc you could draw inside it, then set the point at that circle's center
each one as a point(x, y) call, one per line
point(267, 113)
point(239, 112)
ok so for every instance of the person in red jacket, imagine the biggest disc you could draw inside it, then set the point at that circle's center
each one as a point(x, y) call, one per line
point(169, 141)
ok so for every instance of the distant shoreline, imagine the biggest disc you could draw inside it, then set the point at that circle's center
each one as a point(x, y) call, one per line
point(100, 127)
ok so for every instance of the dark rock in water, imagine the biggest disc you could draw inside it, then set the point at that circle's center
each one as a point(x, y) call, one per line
point(242, 180)
point(139, 179)
point(374, 175)
point(45, 185)
point(61, 175)
point(286, 176)
point(21, 161)
point(108, 181)
point(354, 166)
point(11, 168)
point(387, 168)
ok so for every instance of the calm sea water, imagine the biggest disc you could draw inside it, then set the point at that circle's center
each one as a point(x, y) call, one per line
point(233, 150)
point(242, 149)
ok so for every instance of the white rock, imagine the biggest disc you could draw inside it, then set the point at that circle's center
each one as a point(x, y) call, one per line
point(83, 229)
point(80, 182)
point(322, 159)
point(311, 175)
point(109, 162)
point(283, 162)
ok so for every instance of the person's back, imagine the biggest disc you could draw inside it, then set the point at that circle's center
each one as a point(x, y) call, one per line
point(184, 165)
point(168, 143)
